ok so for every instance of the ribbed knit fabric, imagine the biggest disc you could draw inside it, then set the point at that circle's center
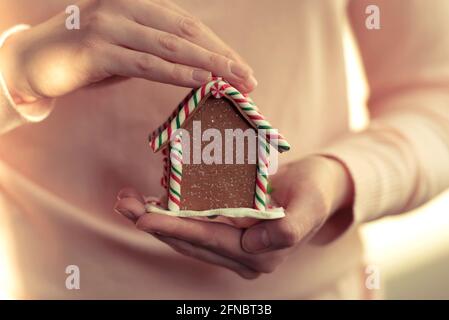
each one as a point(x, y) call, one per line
point(59, 177)
point(402, 159)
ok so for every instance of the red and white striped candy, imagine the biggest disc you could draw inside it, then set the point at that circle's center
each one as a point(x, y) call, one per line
point(217, 90)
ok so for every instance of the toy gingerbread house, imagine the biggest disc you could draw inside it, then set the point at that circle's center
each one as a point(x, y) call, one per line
point(231, 183)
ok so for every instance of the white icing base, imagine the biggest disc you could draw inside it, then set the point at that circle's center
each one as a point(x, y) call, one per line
point(272, 213)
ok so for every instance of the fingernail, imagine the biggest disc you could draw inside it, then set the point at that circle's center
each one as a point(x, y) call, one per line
point(240, 70)
point(250, 275)
point(201, 75)
point(190, 27)
point(251, 83)
point(256, 239)
point(120, 194)
point(126, 213)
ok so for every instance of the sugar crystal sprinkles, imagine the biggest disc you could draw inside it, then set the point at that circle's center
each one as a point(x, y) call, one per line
point(209, 189)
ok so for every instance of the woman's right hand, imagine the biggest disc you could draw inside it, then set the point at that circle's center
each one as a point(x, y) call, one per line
point(154, 40)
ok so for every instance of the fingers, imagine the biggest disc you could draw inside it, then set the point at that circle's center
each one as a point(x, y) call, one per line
point(217, 243)
point(218, 237)
point(303, 218)
point(272, 235)
point(170, 5)
point(281, 233)
point(221, 239)
point(211, 242)
point(130, 204)
point(171, 20)
point(205, 255)
point(176, 49)
point(129, 192)
point(215, 45)
point(301, 188)
point(129, 63)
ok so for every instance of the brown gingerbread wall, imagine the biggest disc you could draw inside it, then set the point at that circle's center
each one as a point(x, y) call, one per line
point(212, 186)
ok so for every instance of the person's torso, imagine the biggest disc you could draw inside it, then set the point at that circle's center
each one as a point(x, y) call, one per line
point(95, 141)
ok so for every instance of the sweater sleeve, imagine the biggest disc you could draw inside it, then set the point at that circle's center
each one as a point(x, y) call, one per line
point(402, 159)
point(11, 114)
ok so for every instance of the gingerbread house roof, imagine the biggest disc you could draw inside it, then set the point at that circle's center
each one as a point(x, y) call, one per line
point(218, 88)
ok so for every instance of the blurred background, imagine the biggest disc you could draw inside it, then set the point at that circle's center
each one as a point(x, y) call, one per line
point(411, 251)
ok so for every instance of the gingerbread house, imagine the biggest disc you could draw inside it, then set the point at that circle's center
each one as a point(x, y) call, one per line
point(225, 185)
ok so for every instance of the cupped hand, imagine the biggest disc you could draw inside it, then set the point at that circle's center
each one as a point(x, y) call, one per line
point(150, 39)
point(310, 190)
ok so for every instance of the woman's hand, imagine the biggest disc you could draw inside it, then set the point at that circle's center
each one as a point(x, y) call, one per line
point(310, 190)
point(150, 39)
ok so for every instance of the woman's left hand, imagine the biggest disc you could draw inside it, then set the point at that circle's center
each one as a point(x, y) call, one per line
point(310, 190)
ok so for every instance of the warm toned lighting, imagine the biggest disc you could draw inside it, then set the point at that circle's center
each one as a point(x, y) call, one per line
point(7, 274)
point(403, 242)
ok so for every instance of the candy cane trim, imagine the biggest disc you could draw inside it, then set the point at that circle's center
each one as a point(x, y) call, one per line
point(161, 135)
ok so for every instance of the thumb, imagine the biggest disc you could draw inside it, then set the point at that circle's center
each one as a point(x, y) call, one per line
point(273, 235)
point(256, 240)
